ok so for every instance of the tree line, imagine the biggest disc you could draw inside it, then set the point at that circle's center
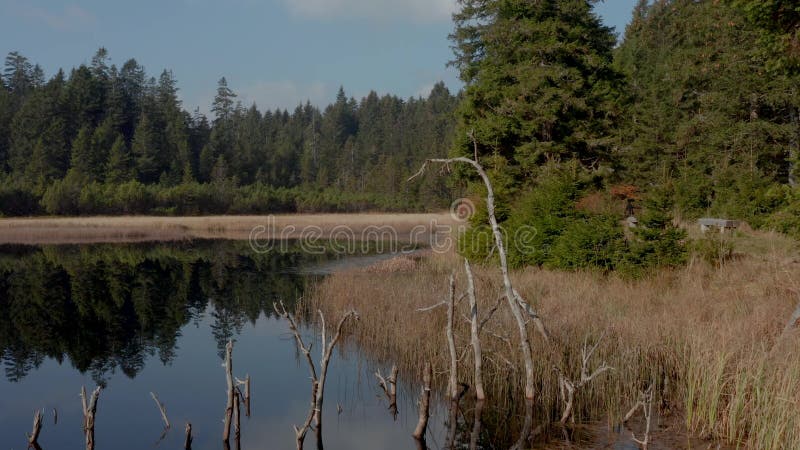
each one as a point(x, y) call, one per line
point(104, 139)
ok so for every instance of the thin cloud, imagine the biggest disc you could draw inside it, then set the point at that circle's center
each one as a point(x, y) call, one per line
point(421, 11)
point(70, 18)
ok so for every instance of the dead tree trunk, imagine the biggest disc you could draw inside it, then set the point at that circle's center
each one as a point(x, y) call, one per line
point(475, 333)
point(452, 386)
point(89, 412)
point(424, 406)
point(231, 393)
point(475, 435)
point(33, 438)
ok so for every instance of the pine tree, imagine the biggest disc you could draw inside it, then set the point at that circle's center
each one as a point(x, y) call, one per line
point(539, 81)
point(120, 163)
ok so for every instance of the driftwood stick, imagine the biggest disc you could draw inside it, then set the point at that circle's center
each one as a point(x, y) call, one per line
point(37, 428)
point(424, 405)
point(226, 430)
point(475, 333)
point(55, 416)
point(646, 403)
point(187, 443)
point(161, 409)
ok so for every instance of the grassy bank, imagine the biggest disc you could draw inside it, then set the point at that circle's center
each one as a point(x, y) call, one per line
point(707, 338)
point(146, 228)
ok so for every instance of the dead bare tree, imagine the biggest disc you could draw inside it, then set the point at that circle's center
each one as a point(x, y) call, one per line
point(389, 386)
point(89, 412)
point(514, 299)
point(424, 406)
point(33, 438)
point(568, 387)
point(317, 381)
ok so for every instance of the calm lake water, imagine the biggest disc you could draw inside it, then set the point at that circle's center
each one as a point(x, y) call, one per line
point(155, 317)
point(141, 318)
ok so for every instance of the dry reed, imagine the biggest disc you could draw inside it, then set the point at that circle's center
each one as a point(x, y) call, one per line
point(707, 339)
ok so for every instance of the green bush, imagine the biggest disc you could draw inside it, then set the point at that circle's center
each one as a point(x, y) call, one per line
point(596, 242)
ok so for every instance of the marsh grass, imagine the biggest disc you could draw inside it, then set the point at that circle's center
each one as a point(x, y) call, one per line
point(707, 338)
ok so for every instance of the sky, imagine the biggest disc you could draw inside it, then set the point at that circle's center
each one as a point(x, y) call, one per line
point(276, 53)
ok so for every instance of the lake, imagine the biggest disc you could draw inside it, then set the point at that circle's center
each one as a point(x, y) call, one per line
point(141, 318)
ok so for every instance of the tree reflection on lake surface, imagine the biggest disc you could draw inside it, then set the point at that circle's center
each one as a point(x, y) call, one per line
point(137, 318)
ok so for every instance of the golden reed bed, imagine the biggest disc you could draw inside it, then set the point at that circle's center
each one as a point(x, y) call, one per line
point(74, 230)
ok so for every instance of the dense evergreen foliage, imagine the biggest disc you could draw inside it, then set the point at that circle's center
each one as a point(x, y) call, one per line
point(108, 140)
point(694, 113)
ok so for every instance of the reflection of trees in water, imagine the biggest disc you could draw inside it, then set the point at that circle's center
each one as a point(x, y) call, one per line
point(108, 307)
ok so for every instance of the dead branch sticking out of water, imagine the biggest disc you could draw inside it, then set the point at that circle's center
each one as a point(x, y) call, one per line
point(452, 418)
point(162, 409)
point(37, 428)
point(645, 402)
point(317, 381)
point(389, 386)
point(424, 407)
point(569, 387)
point(231, 393)
point(187, 442)
point(246, 394)
point(89, 412)
point(232, 409)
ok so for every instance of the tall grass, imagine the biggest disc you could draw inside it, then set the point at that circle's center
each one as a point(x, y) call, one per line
point(708, 339)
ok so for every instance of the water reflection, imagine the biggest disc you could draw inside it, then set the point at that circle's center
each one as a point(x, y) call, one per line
point(107, 307)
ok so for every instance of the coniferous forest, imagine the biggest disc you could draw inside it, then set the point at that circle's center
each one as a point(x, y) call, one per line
point(104, 139)
point(693, 111)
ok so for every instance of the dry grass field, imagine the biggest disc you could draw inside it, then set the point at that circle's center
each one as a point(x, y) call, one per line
point(708, 339)
point(144, 228)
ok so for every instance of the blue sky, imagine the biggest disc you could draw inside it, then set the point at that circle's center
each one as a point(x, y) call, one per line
point(272, 52)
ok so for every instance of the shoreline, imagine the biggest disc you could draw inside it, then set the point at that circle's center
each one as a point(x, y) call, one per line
point(111, 229)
